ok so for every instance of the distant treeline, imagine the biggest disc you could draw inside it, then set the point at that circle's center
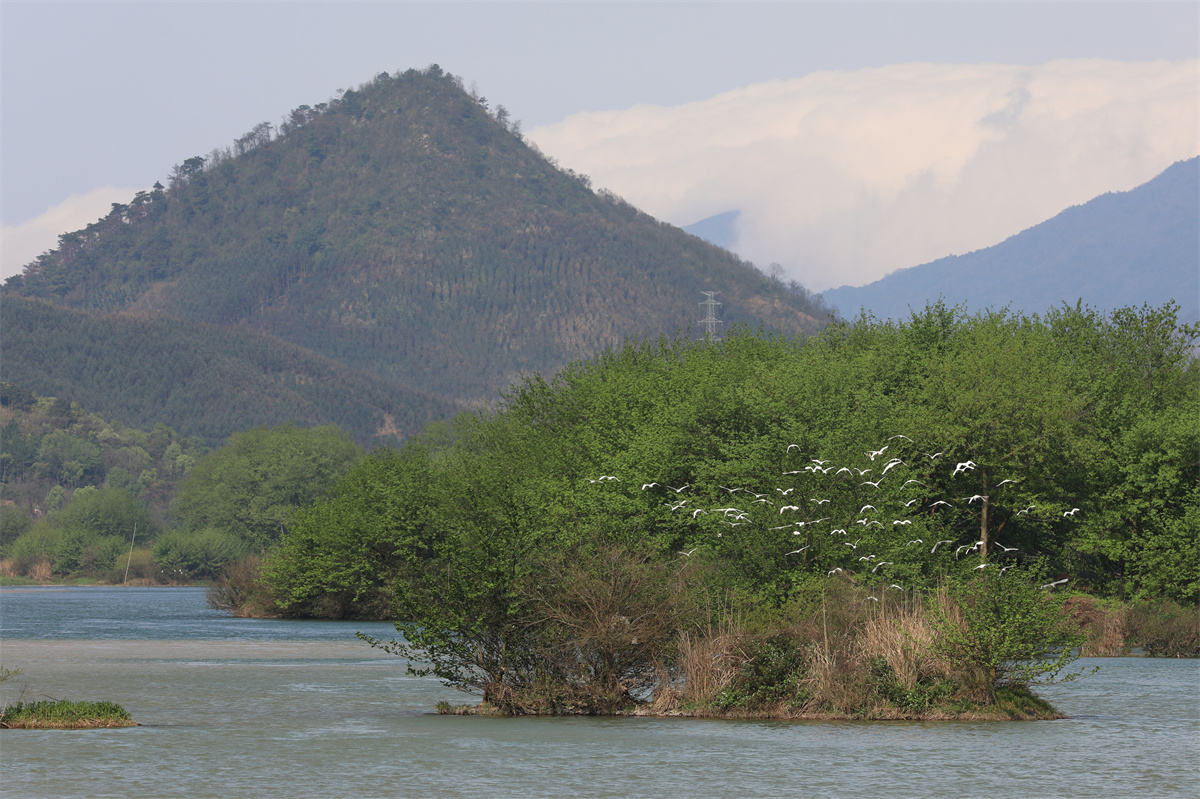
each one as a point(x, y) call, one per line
point(84, 497)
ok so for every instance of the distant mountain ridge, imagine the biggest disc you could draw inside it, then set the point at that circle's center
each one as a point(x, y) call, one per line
point(403, 233)
point(719, 229)
point(1119, 249)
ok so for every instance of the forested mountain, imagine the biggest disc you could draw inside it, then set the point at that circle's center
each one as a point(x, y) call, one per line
point(1119, 249)
point(402, 230)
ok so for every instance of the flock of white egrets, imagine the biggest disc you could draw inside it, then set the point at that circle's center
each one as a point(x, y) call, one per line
point(885, 514)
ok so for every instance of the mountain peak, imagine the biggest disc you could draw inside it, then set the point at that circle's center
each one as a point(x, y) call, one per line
point(405, 230)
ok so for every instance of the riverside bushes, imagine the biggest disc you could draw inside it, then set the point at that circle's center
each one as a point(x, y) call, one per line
point(848, 654)
point(857, 655)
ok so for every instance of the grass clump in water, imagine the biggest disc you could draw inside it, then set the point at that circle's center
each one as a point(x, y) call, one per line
point(64, 714)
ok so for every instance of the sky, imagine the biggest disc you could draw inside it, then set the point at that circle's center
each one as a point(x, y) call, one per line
point(854, 138)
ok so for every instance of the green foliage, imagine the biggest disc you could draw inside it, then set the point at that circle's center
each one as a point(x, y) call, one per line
point(207, 381)
point(773, 675)
point(66, 459)
point(198, 555)
point(13, 524)
point(1003, 630)
point(250, 487)
point(342, 552)
point(79, 550)
point(923, 695)
point(106, 512)
point(55, 498)
point(144, 465)
point(36, 545)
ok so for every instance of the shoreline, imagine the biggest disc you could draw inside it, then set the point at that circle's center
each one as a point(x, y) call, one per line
point(1022, 705)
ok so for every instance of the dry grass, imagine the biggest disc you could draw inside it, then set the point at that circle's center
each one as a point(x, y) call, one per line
point(840, 656)
point(903, 639)
point(708, 661)
point(40, 570)
point(239, 590)
point(1107, 628)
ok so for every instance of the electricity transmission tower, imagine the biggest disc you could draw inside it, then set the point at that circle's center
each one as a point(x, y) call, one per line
point(710, 321)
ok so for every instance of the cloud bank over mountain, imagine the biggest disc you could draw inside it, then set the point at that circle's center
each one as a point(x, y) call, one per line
point(843, 177)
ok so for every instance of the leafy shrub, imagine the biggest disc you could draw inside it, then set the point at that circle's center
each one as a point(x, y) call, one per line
point(35, 546)
point(1001, 630)
point(772, 675)
point(138, 565)
point(923, 695)
point(79, 550)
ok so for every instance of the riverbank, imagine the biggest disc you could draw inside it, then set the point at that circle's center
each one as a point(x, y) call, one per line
point(7, 581)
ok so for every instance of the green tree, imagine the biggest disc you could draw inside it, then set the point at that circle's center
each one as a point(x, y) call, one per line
point(341, 553)
point(997, 400)
point(251, 486)
point(106, 512)
point(67, 459)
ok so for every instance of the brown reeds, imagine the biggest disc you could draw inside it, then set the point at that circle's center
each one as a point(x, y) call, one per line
point(40, 570)
point(1107, 627)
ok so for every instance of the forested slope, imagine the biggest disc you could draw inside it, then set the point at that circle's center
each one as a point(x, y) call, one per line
point(405, 230)
point(207, 380)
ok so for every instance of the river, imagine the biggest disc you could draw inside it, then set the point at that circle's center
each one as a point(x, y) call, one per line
point(265, 708)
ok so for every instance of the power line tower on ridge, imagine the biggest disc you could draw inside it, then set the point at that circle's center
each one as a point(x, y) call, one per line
point(710, 321)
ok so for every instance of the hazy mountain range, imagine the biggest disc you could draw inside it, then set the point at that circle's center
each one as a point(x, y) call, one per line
point(1119, 249)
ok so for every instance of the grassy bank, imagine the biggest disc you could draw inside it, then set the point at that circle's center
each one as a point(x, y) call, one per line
point(64, 714)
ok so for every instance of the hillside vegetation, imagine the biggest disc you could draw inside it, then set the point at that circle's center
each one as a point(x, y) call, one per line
point(207, 379)
point(86, 498)
point(404, 231)
point(987, 431)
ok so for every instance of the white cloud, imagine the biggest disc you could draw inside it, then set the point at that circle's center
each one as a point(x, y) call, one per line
point(843, 177)
point(20, 244)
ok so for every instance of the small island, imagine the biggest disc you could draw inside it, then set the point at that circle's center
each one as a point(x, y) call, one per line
point(64, 714)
